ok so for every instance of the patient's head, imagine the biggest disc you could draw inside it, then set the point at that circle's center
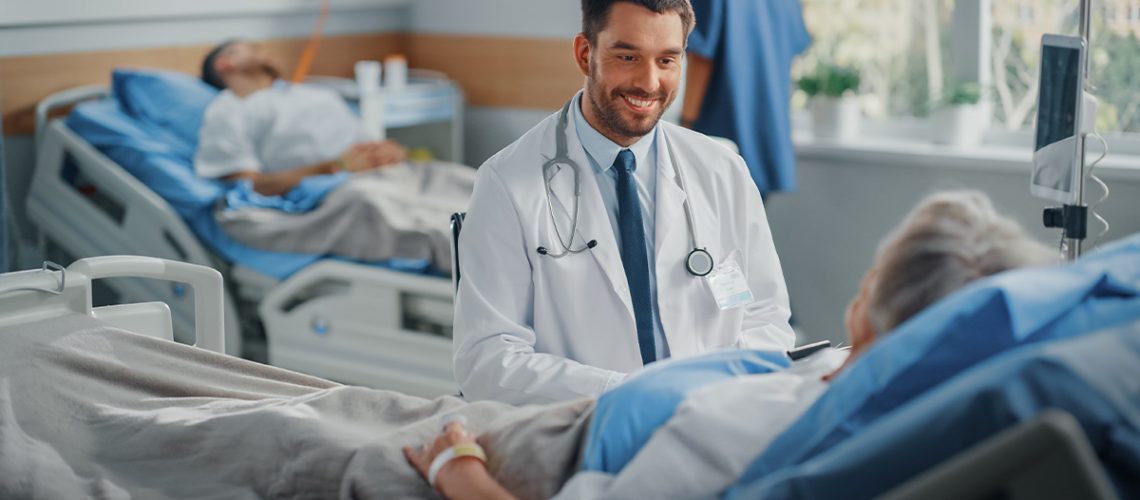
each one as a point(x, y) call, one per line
point(949, 240)
point(238, 59)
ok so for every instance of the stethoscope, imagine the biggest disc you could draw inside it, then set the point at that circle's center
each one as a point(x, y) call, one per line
point(698, 263)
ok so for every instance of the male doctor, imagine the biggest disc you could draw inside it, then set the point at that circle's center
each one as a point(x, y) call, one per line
point(605, 239)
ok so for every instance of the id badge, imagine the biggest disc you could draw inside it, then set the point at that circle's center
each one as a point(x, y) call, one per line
point(728, 285)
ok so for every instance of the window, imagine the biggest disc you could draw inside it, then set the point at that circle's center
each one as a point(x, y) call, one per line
point(1026, 13)
point(900, 48)
point(905, 49)
point(1114, 70)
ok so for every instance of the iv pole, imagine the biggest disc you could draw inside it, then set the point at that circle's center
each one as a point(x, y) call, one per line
point(1073, 219)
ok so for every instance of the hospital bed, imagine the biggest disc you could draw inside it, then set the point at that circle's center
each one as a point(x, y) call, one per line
point(340, 320)
point(1046, 457)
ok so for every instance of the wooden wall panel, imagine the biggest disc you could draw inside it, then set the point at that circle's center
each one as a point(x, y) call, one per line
point(24, 81)
point(493, 71)
point(500, 71)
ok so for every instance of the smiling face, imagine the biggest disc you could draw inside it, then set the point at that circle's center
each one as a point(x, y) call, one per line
point(632, 71)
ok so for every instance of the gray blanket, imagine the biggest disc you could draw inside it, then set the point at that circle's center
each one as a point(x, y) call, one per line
point(87, 410)
point(401, 211)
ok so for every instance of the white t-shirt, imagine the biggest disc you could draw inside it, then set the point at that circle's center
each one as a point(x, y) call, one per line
point(274, 129)
point(715, 435)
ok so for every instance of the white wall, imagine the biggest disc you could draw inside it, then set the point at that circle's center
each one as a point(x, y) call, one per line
point(189, 29)
point(518, 18)
point(827, 231)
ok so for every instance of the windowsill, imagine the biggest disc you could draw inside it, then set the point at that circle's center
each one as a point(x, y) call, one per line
point(927, 155)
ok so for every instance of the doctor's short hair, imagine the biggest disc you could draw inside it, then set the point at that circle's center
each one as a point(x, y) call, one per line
point(949, 240)
point(596, 13)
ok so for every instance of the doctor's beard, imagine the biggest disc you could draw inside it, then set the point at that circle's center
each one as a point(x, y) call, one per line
point(608, 107)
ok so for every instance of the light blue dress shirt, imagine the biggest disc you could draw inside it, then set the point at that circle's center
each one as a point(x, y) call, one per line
point(602, 153)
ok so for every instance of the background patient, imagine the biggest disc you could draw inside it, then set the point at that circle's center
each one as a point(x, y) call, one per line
point(274, 133)
point(286, 139)
point(948, 241)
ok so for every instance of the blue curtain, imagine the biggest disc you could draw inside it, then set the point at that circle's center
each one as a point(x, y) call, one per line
point(752, 44)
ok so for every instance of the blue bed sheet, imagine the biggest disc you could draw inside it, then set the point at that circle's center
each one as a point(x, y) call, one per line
point(1096, 378)
point(150, 127)
point(995, 315)
point(626, 417)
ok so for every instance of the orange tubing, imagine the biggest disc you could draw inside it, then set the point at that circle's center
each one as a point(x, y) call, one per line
point(310, 53)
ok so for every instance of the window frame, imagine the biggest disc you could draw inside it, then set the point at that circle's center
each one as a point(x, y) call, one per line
point(970, 61)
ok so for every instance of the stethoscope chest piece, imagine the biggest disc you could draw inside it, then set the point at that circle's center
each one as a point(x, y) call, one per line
point(699, 262)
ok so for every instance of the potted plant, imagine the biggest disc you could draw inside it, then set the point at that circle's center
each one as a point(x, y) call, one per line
point(834, 109)
point(958, 119)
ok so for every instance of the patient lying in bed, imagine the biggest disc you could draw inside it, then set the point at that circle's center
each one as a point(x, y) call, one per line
point(89, 410)
point(276, 136)
point(948, 241)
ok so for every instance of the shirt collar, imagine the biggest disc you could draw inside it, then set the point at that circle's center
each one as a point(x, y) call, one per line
point(600, 148)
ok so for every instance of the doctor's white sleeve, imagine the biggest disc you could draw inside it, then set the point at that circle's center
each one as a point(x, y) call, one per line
point(766, 319)
point(494, 339)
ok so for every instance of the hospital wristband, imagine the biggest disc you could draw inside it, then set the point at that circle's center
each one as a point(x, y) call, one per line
point(457, 451)
point(339, 165)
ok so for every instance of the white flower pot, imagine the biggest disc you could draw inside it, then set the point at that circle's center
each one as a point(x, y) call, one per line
point(835, 119)
point(957, 126)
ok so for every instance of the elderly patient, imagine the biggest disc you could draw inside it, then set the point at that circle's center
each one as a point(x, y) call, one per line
point(88, 410)
point(277, 136)
point(949, 240)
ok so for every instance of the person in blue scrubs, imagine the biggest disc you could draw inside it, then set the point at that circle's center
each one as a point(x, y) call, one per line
point(739, 81)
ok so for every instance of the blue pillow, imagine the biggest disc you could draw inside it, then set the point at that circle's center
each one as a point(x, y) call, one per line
point(154, 161)
point(168, 103)
point(989, 317)
point(626, 417)
point(1094, 378)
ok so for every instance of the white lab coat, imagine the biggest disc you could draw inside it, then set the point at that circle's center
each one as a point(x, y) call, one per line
point(532, 329)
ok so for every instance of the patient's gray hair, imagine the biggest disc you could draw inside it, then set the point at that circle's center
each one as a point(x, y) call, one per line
point(949, 240)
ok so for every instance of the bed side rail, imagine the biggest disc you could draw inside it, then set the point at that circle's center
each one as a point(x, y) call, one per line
point(63, 99)
point(139, 221)
point(55, 291)
point(1045, 458)
point(363, 325)
point(122, 216)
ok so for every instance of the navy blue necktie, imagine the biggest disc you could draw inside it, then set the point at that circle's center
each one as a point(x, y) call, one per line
point(635, 254)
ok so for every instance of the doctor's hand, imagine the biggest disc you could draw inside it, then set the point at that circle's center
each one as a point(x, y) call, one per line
point(458, 478)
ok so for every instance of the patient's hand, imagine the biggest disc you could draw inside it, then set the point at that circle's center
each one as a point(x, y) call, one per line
point(452, 435)
point(369, 155)
point(388, 153)
point(461, 478)
point(359, 157)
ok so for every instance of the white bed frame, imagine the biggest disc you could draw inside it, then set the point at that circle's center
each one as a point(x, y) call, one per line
point(53, 291)
point(351, 323)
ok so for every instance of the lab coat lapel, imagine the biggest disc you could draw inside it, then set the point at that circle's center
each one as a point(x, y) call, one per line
point(672, 243)
point(672, 234)
point(593, 220)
